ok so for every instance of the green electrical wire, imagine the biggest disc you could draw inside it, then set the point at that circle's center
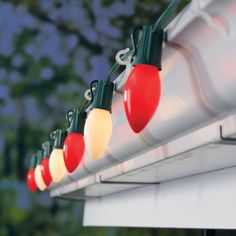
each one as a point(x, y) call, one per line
point(166, 16)
point(113, 69)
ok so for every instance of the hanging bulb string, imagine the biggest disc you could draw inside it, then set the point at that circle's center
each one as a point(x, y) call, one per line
point(145, 40)
point(166, 16)
point(116, 65)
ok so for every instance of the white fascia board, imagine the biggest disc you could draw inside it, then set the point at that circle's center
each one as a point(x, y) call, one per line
point(201, 201)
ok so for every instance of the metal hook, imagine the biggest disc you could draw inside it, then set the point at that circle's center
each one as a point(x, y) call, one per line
point(126, 182)
point(228, 140)
point(69, 114)
point(88, 94)
point(92, 89)
point(53, 136)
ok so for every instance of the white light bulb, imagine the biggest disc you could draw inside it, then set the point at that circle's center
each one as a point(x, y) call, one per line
point(56, 165)
point(38, 178)
point(97, 132)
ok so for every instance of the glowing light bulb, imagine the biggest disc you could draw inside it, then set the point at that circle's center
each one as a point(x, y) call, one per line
point(73, 150)
point(56, 165)
point(141, 95)
point(97, 132)
point(47, 178)
point(31, 181)
point(30, 178)
point(143, 87)
point(38, 172)
point(38, 178)
point(56, 161)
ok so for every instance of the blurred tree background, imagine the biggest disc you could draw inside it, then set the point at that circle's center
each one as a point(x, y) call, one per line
point(49, 52)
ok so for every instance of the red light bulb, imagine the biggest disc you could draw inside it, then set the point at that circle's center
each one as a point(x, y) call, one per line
point(30, 180)
point(47, 178)
point(73, 150)
point(142, 93)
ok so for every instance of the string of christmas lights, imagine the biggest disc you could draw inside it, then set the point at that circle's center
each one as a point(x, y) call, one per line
point(90, 127)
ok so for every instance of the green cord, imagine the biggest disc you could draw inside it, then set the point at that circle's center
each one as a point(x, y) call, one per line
point(166, 16)
point(113, 69)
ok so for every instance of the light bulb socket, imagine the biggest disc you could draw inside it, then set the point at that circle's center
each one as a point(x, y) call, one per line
point(102, 97)
point(77, 121)
point(33, 161)
point(46, 146)
point(60, 136)
point(39, 157)
point(149, 46)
